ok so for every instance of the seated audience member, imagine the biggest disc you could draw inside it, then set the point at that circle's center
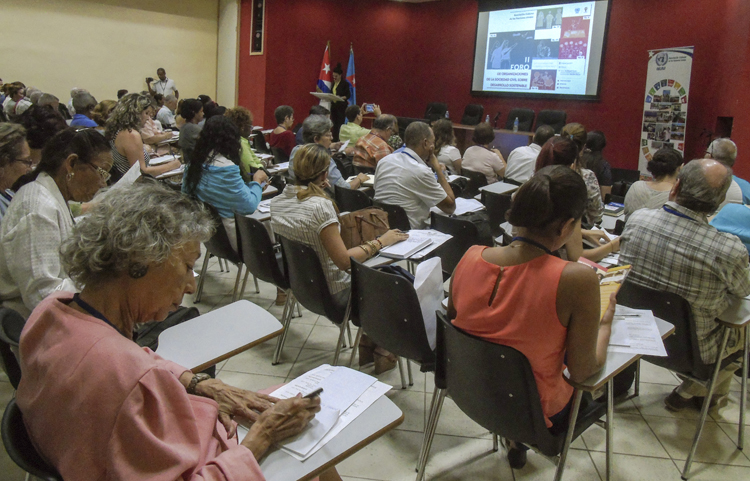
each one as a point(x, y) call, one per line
point(41, 124)
point(73, 92)
point(445, 146)
point(483, 157)
point(133, 260)
point(314, 110)
point(318, 131)
point(674, 249)
point(102, 111)
point(652, 194)
point(243, 120)
point(304, 213)
point(49, 99)
point(179, 120)
point(84, 103)
point(371, 148)
point(734, 219)
point(282, 136)
point(490, 295)
point(213, 174)
point(121, 93)
point(353, 130)
point(725, 151)
point(595, 207)
point(192, 112)
point(152, 132)
point(564, 151)
point(522, 160)
point(15, 161)
point(159, 100)
point(165, 115)
point(593, 160)
point(74, 166)
point(17, 103)
point(34, 96)
point(407, 178)
point(123, 134)
point(212, 109)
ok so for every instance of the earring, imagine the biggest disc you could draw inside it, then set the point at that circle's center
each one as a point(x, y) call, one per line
point(70, 176)
point(136, 271)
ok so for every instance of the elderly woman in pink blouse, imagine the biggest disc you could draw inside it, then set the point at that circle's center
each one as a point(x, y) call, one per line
point(98, 406)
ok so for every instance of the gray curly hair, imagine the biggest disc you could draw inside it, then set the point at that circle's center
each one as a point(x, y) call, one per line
point(127, 114)
point(140, 225)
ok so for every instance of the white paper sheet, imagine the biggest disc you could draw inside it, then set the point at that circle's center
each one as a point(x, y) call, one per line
point(178, 171)
point(162, 159)
point(315, 431)
point(637, 332)
point(264, 206)
point(428, 283)
point(438, 239)
point(462, 206)
point(344, 146)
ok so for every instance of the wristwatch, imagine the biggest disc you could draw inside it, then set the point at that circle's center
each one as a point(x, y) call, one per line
point(197, 378)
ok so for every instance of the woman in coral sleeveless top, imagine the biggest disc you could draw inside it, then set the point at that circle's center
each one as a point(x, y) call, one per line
point(523, 297)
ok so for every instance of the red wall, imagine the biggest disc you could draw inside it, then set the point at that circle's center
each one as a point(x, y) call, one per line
point(407, 55)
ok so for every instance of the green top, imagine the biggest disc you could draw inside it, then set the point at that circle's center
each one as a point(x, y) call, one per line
point(248, 160)
point(352, 132)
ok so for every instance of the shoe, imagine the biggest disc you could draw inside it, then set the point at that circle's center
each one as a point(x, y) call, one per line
point(280, 297)
point(384, 362)
point(366, 350)
point(516, 453)
point(674, 402)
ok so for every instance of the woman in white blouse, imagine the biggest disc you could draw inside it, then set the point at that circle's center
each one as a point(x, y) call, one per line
point(445, 146)
point(652, 194)
point(484, 157)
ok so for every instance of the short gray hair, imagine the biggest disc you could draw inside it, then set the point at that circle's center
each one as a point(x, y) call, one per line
point(83, 102)
point(170, 98)
point(140, 225)
point(34, 96)
point(697, 192)
point(47, 99)
point(315, 126)
point(723, 150)
point(415, 133)
point(384, 121)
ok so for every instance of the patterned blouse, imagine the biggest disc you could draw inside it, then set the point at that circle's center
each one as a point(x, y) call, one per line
point(594, 206)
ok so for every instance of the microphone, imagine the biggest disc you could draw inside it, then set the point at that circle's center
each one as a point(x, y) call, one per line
point(494, 121)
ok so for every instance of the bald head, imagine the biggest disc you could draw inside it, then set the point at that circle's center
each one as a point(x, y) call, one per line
point(723, 150)
point(702, 185)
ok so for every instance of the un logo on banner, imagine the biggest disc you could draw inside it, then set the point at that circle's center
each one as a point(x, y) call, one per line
point(662, 58)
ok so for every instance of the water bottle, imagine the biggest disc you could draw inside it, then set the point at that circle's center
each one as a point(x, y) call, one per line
point(515, 125)
point(487, 119)
point(447, 116)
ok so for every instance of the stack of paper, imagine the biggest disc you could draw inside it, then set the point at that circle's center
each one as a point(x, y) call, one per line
point(407, 248)
point(178, 171)
point(614, 209)
point(462, 206)
point(634, 331)
point(264, 206)
point(162, 159)
point(368, 183)
point(279, 167)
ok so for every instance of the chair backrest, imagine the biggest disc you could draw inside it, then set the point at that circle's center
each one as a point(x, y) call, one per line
point(465, 235)
point(614, 198)
point(397, 218)
point(476, 180)
point(625, 175)
point(20, 448)
point(279, 156)
point(621, 188)
point(259, 142)
point(493, 385)
point(218, 245)
point(387, 308)
point(554, 118)
point(525, 119)
point(257, 252)
point(349, 200)
point(307, 280)
point(344, 164)
point(435, 111)
point(472, 114)
point(404, 122)
point(497, 205)
point(683, 354)
point(11, 325)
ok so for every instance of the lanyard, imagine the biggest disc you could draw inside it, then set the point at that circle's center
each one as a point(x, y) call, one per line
point(533, 243)
point(678, 214)
point(87, 307)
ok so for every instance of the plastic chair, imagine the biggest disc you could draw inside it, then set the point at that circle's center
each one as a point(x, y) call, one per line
point(261, 259)
point(386, 307)
point(11, 325)
point(465, 235)
point(219, 246)
point(404, 122)
point(397, 218)
point(279, 156)
point(472, 114)
point(495, 386)
point(259, 142)
point(435, 111)
point(20, 448)
point(525, 119)
point(625, 175)
point(308, 282)
point(683, 353)
point(349, 200)
point(497, 205)
point(476, 180)
point(554, 118)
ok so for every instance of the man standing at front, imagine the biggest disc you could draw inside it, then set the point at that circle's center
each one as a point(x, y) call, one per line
point(407, 178)
point(163, 85)
point(674, 249)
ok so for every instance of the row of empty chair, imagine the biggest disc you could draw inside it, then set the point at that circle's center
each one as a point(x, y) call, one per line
point(474, 114)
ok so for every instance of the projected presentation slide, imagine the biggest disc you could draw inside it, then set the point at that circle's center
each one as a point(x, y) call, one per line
point(545, 49)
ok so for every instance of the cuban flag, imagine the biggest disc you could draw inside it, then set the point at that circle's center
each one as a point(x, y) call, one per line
point(350, 77)
point(325, 79)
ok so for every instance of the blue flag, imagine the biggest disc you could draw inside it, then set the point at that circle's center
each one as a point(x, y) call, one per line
point(350, 78)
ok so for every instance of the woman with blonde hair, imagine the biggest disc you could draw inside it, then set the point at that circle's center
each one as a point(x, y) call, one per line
point(123, 134)
point(445, 146)
point(594, 208)
point(102, 111)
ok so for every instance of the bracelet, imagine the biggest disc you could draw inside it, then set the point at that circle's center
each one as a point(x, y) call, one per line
point(365, 250)
point(377, 239)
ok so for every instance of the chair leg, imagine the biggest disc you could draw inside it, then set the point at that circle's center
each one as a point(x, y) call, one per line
point(637, 388)
point(289, 313)
point(244, 283)
point(706, 403)
point(741, 438)
point(257, 288)
point(408, 371)
point(340, 342)
point(355, 345)
point(349, 334)
point(299, 311)
point(495, 442)
point(236, 291)
point(569, 435)
point(201, 280)
point(610, 426)
point(438, 396)
point(286, 320)
point(221, 266)
point(401, 372)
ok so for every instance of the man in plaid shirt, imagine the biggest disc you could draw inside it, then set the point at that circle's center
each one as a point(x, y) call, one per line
point(674, 249)
point(374, 146)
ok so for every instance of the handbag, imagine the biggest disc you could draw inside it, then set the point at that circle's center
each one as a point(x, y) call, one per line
point(363, 225)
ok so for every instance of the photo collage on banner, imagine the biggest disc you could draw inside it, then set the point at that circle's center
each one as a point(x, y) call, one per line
point(666, 102)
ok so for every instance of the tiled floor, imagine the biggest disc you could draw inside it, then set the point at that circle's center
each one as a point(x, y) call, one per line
point(650, 443)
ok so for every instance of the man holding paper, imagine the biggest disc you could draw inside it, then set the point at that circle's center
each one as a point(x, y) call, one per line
point(674, 249)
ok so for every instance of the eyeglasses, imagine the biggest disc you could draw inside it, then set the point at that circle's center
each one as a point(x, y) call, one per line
point(102, 173)
point(27, 162)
